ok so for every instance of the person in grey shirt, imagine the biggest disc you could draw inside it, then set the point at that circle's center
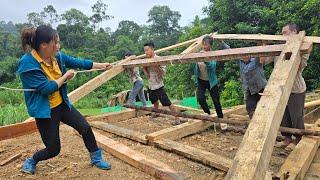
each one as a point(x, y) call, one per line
point(253, 80)
point(137, 82)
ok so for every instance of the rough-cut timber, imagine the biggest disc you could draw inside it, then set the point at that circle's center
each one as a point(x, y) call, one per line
point(204, 157)
point(114, 116)
point(120, 131)
point(188, 128)
point(18, 129)
point(262, 37)
point(150, 166)
point(189, 116)
point(299, 160)
point(219, 55)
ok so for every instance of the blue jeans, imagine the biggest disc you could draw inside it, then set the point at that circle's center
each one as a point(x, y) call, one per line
point(137, 90)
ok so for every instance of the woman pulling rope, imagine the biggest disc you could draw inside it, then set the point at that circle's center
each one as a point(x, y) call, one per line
point(44, 69)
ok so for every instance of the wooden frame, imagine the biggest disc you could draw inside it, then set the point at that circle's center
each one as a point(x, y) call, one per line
point(261, 133)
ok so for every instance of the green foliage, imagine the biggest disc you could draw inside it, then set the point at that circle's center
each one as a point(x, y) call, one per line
point(81, 37)
point(232, 94)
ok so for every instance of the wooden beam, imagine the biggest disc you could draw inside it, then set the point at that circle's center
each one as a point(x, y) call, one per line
point(150, 166)
point(253, 157)
point(313, 171)
point(312, 103)
point(97, 81)
point(262, 37)
point(120, 131)
point(219, 55)
point(27, 127)
point(186, 129)
point(18, 129)
point(194, 47)
point(300, 159)
point(204, 157)
point(189, 116)
point(10, 159)
point(185, 108)
point(114, 116)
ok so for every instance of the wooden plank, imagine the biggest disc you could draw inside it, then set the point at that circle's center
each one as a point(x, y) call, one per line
point(97, 81)
point(219, 55)
point(185, 108)
point(204, 157)
point(114, 116)
point(312, 103)
point(18, 129)
point(262, 37)
point(10, 159)
point(188, 116)
point(186, 129)
point(120, 131)
point(314, 171)
point(27, 127)
point(150, 166)
point(300, 159)
point(194, 47)
point(253, 157)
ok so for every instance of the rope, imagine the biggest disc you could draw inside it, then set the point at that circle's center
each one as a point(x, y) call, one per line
point(30, 90)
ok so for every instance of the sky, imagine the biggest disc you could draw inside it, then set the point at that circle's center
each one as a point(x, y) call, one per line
point(134, 10)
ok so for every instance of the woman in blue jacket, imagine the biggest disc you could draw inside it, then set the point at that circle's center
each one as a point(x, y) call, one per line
point(44, 69)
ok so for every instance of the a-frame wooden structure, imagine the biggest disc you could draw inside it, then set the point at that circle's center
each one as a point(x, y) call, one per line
point(253, 156)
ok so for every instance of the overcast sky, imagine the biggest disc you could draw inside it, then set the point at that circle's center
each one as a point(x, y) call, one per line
point(135, 10)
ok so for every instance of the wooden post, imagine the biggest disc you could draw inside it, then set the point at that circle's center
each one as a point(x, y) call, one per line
point(252, 159)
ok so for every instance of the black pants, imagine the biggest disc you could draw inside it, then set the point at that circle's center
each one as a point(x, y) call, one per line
point(293, 115)
point(214, 93)
point(251, 102)
point(49, 131)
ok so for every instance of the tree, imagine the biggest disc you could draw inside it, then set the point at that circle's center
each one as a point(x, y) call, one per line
point(99, 9)
point(129, 29)
point(164, 27)
point(35, 19)
point(50, 14)
point(75, 17)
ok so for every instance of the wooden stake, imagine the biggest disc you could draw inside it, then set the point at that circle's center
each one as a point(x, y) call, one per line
point(10, 159)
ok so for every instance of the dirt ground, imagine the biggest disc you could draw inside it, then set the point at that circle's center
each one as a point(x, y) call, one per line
point(73, 161)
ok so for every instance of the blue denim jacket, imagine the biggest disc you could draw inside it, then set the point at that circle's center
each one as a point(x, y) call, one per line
point(252, 76)
point(33, 77)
